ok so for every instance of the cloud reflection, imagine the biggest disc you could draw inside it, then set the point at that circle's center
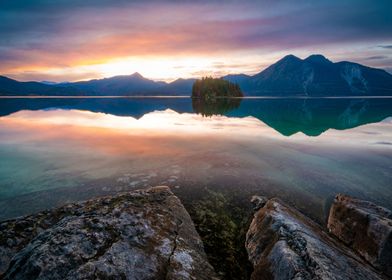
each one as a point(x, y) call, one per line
point(70, 149)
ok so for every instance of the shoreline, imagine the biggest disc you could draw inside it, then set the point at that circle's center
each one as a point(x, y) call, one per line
point(309, 249)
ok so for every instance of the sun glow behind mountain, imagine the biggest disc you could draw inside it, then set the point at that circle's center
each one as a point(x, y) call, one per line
point(165, 69)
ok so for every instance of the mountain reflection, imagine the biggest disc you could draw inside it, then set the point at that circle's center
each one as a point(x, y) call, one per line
point(287, 116)
point(83, 154)
point(315, 116)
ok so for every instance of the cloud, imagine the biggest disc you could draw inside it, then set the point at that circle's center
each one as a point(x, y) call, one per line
point(377, 57)
point(41, 34)
point(385, 46)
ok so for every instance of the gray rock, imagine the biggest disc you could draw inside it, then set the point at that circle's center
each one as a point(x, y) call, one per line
point(145, 234)
point(258, 202)
point(365, 227)
point(284, 244)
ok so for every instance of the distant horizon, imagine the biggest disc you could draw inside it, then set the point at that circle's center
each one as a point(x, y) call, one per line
point(181, 77)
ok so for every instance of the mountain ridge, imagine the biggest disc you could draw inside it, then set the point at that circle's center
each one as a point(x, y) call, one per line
point(317, 76)
point(314, 76)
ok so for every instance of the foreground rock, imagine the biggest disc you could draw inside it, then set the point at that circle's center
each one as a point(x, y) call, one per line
point(284, 244)
point(365, 227)
point(144, 234)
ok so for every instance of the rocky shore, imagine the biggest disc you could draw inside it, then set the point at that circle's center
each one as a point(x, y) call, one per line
point(148, 234)
point(366, 228)
point(284, 244)
point(144, 234)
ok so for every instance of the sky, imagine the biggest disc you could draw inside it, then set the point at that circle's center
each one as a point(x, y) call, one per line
point(63, 40)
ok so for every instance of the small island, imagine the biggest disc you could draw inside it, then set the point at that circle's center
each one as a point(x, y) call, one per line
point(209, 88)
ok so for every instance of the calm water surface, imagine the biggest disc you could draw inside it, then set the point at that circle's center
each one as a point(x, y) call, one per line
point(54, 151)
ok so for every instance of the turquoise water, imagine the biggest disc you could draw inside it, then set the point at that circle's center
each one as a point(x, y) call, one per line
point(54, 151)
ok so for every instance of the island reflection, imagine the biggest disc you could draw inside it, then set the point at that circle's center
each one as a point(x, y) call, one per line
point(215, 106)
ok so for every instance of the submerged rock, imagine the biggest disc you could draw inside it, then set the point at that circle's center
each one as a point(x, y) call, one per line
point(365, 227)
point(145, 234)
point(284, 244)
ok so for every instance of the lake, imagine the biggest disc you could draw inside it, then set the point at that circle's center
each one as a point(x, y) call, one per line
point(305, 151)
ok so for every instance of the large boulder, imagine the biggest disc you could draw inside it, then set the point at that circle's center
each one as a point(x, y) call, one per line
point(145, 234)
point(365, 227)
point(284, 244)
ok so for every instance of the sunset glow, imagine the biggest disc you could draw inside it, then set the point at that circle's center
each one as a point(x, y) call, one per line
point(167, 40)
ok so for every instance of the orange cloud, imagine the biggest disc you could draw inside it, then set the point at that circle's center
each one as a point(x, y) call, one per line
point(62, 42)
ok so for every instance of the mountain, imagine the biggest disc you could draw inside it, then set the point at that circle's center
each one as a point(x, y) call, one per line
point(48, 82)
point(119, 85)
point(134, 84)
point(291, 76)
point(179, 87)
point(237, 78)
point(315, 76)
point(12, 87)
point(131, 85)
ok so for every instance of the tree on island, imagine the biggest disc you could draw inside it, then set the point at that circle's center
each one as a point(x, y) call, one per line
point(209, 88)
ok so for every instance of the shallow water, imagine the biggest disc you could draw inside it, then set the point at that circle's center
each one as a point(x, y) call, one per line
point(54, 151)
